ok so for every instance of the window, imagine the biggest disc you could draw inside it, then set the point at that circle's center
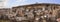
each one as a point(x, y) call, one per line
point(46, 8)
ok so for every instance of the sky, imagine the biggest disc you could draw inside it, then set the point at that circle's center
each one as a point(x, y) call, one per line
point(12, 3)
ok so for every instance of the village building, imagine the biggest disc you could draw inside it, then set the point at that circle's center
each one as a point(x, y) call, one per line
point(40, 12)
point(37, 11)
